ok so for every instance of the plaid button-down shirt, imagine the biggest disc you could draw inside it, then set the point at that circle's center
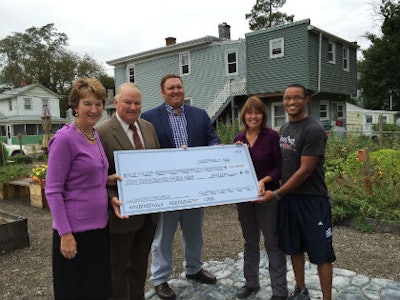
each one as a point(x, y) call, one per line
point(178, 125)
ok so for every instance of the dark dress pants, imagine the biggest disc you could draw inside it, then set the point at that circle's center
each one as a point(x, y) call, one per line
point(129, 261)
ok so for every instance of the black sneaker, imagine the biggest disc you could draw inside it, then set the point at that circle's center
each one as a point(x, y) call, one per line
point(275, 297)
point(245, 292)
point(299, 294)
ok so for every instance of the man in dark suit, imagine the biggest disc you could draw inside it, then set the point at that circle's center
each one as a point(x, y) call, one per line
point(179, 125)
point(131, 237)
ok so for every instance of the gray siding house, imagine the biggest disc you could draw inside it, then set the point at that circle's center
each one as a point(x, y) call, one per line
point(220, 73)
point(301, 53)
point(213, 70)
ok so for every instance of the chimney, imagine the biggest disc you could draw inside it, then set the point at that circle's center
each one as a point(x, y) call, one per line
point(170, 41)
point(224, 31)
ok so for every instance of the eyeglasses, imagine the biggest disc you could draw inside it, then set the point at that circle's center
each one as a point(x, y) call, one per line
point(295, 98)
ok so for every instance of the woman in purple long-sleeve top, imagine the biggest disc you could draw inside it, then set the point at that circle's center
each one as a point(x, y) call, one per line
point(254, 218)
point(77, 196)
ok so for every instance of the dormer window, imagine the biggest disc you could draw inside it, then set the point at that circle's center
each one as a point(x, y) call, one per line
point(184, 63)
point(346, 58)
point(27, 103)
point(131, 73)
point(276, 48)
point(332, 52)
point(231, 62)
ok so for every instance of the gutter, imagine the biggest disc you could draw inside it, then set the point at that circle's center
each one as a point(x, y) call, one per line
point(319, 65)
point(164, 50)
point(332, 36)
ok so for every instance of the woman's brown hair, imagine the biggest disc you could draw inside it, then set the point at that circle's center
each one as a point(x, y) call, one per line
point(84, 87)
point(255, 103)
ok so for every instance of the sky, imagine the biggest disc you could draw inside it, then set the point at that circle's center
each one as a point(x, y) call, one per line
point(106, 30)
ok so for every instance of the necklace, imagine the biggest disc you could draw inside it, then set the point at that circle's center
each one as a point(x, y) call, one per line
point(92, 139)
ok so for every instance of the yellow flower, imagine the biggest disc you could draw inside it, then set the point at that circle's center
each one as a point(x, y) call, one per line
point(39, 173)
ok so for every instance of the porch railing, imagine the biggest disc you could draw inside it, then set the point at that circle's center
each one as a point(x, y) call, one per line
point(233, 87)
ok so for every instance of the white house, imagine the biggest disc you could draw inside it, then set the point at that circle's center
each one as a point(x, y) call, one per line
point(21, 110)
point(360, 120)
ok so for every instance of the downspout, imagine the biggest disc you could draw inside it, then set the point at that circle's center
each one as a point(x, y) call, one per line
point(319, 64)
point(233, 111)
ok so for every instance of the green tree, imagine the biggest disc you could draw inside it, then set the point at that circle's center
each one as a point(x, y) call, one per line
point(380, 76)
point(107, 81)
point(40, 55)
point(265, 14)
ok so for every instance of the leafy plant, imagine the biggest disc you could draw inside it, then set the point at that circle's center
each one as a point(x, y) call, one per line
point(13, 171)
point(227, 132)
point(362, 191)
point(41, 158)
point(21, 159)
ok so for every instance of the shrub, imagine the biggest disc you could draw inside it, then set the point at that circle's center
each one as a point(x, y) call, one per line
point(227, 132)
point(42, 158)
point(21, 159)
point(13, 171)
point(358, 192)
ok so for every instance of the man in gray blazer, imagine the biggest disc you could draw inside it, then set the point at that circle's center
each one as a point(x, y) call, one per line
point(130, 237)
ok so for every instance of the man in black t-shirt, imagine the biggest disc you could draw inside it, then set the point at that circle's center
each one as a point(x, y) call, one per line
point(305, 223)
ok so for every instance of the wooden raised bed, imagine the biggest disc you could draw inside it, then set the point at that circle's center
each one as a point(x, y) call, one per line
point(13, 232)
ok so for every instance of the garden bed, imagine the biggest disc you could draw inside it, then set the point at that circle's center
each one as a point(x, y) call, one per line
point(13, 232)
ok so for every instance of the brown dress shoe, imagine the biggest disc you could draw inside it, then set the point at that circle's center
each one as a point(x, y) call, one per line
point(164, 291)
point(203, 276)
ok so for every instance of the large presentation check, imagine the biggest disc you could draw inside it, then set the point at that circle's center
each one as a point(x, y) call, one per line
point(173, 179)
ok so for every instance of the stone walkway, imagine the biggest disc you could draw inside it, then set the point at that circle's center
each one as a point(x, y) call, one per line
point(347, 285)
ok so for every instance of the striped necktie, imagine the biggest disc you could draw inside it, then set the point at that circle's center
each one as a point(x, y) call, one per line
point(136, 138)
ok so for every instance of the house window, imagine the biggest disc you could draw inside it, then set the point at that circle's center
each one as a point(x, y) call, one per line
point(40, 130)
point(131, 73)
point(337, 111)
point(323, 110)
point(332, 52)
point(3, 131)
point(55, 127)
point(368, 119)
point(9, 105)
point(345, 58)
point(20, 128)
point(340, 111)
point(27, 103)
point(184, 63)
point(231, 62)
point(276, 48)
point(45, 101)
point(278, 115)
point(31, 129)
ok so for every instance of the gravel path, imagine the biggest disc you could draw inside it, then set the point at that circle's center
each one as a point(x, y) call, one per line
point(26, 273)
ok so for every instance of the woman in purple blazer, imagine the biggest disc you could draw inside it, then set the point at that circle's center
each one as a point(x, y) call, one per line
point(76, 193)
